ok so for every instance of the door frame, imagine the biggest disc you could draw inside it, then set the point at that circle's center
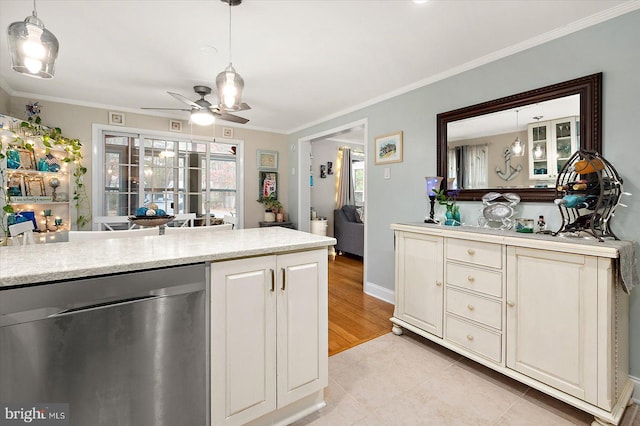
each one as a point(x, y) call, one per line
point(304, 191)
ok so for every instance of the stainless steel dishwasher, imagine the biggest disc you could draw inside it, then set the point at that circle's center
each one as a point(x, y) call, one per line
point(124, 349)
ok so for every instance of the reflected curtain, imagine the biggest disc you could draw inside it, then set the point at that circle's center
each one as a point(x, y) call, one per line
point(344, 195)
point(475, 162)
point(452, 164)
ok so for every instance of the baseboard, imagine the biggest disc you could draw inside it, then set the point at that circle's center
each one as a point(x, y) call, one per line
point(636, 386)
point(380, 292)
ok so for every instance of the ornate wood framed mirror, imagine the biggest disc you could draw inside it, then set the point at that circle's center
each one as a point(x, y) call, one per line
point(553, 131)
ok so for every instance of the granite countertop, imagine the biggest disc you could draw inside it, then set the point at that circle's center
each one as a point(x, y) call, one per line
point(42, 263)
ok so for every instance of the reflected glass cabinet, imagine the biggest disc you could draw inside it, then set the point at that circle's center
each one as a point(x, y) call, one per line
point(551, 143)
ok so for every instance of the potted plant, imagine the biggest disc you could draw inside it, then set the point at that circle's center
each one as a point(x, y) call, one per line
point(271, 206)
point(453, 210)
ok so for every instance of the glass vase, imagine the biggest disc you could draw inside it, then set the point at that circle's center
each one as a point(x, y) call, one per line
point(452, 216)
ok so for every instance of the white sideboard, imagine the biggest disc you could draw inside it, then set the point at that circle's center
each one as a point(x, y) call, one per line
point(546, 311)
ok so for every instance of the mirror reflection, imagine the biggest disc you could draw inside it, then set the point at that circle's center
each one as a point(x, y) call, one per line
point(522, 147)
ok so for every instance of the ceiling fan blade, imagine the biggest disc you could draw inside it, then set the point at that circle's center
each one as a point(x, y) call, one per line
point(167, 109)
point(187, 101)
point(229, 117)
point(244, 106)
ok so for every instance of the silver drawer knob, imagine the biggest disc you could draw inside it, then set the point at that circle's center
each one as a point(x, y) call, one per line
point(470, 307)
point(471, 252)
point(469, 337)
point(510, 303)
point(470, 279)
point(438, 283)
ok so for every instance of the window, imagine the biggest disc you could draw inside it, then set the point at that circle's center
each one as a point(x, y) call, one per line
point(179, 176)
point(357, 171)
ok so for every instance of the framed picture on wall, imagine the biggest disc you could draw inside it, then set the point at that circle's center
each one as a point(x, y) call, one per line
point(389, 148)
point(175, 125)
point(268, 184)
point(116, 118)
point(268, 160)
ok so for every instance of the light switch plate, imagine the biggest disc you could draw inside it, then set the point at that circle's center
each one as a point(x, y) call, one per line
point(387, 173)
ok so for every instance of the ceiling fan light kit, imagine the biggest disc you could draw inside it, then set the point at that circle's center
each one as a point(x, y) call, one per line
point(33, 48)
point(229, 84)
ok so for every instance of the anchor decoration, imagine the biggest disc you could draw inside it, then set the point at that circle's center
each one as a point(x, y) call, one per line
point(510, 172)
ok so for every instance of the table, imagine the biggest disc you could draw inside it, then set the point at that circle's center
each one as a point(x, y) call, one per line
point(283, 224)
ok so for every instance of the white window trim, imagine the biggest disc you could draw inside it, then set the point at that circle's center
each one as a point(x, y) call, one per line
point(97, 159)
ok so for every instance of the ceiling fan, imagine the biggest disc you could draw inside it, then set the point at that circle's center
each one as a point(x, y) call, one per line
point(202, 111)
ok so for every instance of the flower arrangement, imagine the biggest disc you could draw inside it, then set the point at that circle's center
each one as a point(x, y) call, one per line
point(453, 210)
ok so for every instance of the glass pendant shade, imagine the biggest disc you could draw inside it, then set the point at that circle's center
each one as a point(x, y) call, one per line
point(202, 117)
point(33, 48)
point(517, 148)
point(230, 86)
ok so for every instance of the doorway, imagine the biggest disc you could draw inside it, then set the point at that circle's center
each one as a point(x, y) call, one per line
point(317, 184)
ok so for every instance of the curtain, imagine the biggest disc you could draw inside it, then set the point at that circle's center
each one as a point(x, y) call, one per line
point(476, 166)
point(345, 194)
point(452, 163)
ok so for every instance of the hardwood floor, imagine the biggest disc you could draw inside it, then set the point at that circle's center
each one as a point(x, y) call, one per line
point(354, 317)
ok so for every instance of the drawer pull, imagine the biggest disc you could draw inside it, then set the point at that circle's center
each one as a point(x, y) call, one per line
point(510, 303)
point(470, 279)
point(438, 283)
point(469, 337)
point(471, 252)
point(470, 307)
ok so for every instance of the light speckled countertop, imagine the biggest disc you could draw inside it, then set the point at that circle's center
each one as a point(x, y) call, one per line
point(43, 263)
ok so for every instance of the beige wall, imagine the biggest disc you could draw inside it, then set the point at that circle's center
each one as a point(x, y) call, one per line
point(497, 145)
point(76, 122)
point(4, 102)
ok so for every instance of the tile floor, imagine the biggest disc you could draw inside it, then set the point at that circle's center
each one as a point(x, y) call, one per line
point(408, 380)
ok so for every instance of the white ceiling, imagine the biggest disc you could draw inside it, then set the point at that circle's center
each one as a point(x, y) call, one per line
point(303, 61)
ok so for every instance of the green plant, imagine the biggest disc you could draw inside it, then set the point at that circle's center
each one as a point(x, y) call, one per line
point(51, 138)
point(270, 202)
point(445, 200)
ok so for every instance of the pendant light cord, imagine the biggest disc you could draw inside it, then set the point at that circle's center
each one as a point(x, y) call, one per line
point(35, 12)
point(229, 31)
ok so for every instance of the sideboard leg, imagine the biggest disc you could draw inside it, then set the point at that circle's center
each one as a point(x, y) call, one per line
point(597, 421)
point(396, 330)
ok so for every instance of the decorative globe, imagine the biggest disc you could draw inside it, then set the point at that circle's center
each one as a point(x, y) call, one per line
point(160, 212)
point(153, 206)
point(142, 211)
point(150, 212)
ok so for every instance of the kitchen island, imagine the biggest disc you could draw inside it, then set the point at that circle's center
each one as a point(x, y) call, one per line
point(264, 303)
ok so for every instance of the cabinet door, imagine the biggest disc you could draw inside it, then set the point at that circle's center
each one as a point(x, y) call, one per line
point(541, 150)
point(302, 325)
point(243, 340)
point(552, 319)
point(419, 278)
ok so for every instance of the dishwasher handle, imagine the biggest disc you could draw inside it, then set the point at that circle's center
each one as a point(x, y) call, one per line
point(103, 305)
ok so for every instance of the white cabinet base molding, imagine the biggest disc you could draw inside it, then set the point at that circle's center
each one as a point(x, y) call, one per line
point(546, 311)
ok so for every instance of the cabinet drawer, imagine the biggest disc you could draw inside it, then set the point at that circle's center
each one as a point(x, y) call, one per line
point(474, 338)
point(480, 280)
point(475, 252)
point(475, 308)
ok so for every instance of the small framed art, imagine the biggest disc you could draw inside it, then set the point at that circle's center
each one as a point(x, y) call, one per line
point(269, 184)
point(116, 118)
point(268, 160)
point(34, 186)
point(388, 148)
point(227, 132)
point(175, 125)
point(27, 160)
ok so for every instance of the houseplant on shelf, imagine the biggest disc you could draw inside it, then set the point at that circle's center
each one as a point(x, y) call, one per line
point(453, 210)
point(271, 206)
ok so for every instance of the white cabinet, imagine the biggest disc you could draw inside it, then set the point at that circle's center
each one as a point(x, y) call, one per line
point(542, 310)
point(552, 143)
point(268, 334)
point(552, 319)
point(419, 281)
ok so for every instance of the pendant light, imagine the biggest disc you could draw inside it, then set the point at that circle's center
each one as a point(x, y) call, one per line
point(538, 152)
point(229, 83)
point(517, 147)
point(33, 48)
